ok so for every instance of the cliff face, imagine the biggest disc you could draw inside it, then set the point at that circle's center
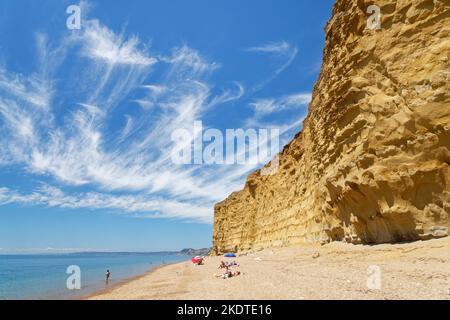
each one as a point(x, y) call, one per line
point(371, 164)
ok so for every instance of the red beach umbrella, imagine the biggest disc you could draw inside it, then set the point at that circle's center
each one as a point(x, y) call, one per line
point(196, 260)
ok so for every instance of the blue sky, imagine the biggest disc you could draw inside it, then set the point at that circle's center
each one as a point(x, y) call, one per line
point(86, 116)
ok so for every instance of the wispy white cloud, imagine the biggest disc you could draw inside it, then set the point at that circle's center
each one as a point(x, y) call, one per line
point(32, 90)
point(187, 63)
point(279, 48)
point(228, 95)
point(140, 205)
point(282, 50)
point(101, 43)
point(79, 152)
point(265, 112)
point(267, 106)
point(127, 164)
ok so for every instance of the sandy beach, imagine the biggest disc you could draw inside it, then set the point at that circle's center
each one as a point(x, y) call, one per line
point(419, 270)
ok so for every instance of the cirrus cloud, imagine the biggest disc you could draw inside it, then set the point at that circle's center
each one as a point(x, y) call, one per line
point(101, 138)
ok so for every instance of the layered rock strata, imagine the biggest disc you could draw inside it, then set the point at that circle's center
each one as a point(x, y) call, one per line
point(371, 164)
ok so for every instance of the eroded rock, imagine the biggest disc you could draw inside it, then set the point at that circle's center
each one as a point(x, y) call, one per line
point(371, 164)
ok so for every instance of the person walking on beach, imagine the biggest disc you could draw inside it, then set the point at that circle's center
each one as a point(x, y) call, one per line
point(107, 275)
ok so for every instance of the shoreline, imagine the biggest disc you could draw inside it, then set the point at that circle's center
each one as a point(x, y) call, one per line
point(408, 271)
point(123, 282)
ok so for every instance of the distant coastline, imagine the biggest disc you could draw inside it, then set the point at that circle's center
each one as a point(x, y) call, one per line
point(195, 252)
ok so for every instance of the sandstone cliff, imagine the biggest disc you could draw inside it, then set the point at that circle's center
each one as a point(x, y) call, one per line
point(371, 164)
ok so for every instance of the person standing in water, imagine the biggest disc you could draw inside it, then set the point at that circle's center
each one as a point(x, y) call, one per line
point(107, 275)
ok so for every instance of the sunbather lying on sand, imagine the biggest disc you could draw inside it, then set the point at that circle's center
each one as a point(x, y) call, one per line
point(228, 274)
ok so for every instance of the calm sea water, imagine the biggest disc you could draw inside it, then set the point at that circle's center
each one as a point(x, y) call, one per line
point(44, 276)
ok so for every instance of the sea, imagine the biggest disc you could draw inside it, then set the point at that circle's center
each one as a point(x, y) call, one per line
point(58, 276)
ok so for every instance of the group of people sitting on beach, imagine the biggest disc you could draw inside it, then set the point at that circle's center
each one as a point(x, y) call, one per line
point(227, 272)
point(228, 264)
